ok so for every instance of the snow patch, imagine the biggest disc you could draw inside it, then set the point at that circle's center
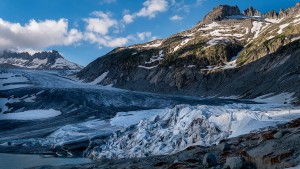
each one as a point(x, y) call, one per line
point(60, 63)
point(270, 37)
point(30, 115)
point(159, 57)
point(210, 26)
point(100, 78)
point(296, 38)
point(273, 20)
point(276, 99)
point(222, 32)
point(256, 28)
point(153, 59)
point(147, 67)
point(281, 27)
point(185, 41)
point(296, 21)
point(153, 45)
point(36, 63)
point(215, 41)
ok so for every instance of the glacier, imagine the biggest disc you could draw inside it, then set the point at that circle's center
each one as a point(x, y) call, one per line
point(175, 129)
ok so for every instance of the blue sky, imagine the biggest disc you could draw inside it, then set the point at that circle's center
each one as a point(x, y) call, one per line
point(83, 30)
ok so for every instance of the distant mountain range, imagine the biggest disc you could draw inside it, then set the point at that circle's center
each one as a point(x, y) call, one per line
point(51, 60)
point(229, 52)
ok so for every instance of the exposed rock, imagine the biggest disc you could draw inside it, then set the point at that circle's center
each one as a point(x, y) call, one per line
point(282, 13)
point(224, 146)
point(265, 136)
point(209, 160)
point(221, 12)
point(271, 15)
point(278, 135)
point(251, 12)
point(234, 162)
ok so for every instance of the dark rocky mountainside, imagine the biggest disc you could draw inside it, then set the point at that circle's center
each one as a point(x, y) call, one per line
point(42, 60)
point(228, 53)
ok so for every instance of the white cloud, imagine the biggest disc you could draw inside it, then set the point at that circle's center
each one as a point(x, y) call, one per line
point(107, 41)
point(199, 2)
point(182, 5)
point(106, 2)
point(36, 35)
point(143, 35)
point(154, 38)
point(150, 9)
point(176, 18)
point(127, 18)
point(101, 24)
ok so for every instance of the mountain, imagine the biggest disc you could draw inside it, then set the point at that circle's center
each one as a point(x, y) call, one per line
point(227, 53)
point(51, 60)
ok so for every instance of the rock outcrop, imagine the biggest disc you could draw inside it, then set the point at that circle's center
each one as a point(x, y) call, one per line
point(251, 12)
point(219, 13)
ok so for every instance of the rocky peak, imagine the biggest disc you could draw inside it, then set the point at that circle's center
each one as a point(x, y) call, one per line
point(220, 13)
point(282, 13)
point(271, 15)
point(9, 54)
point(251, 12)
point(40, 60)
point(52, 55)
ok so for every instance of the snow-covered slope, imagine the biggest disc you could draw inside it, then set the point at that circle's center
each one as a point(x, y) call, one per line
point(41, 60)
point(175, 129)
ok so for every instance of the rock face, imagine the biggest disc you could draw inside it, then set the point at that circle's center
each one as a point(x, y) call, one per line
point(234, 162)
point(220, 54)
point(271, 15)
point(251, 12)
point(220, 12)
point(209, 160)
point(41, 60)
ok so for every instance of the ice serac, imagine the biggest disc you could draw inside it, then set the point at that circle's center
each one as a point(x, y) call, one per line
point(41, 60)
point(220, 12)
point(175, 129)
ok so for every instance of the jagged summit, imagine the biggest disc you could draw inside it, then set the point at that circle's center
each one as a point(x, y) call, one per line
point(40, 60)
point(251, 12)
point(221, 12)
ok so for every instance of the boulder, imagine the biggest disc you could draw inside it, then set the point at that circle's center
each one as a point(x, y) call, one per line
point(224, 146)
point(209, 160)
point(234, 162)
